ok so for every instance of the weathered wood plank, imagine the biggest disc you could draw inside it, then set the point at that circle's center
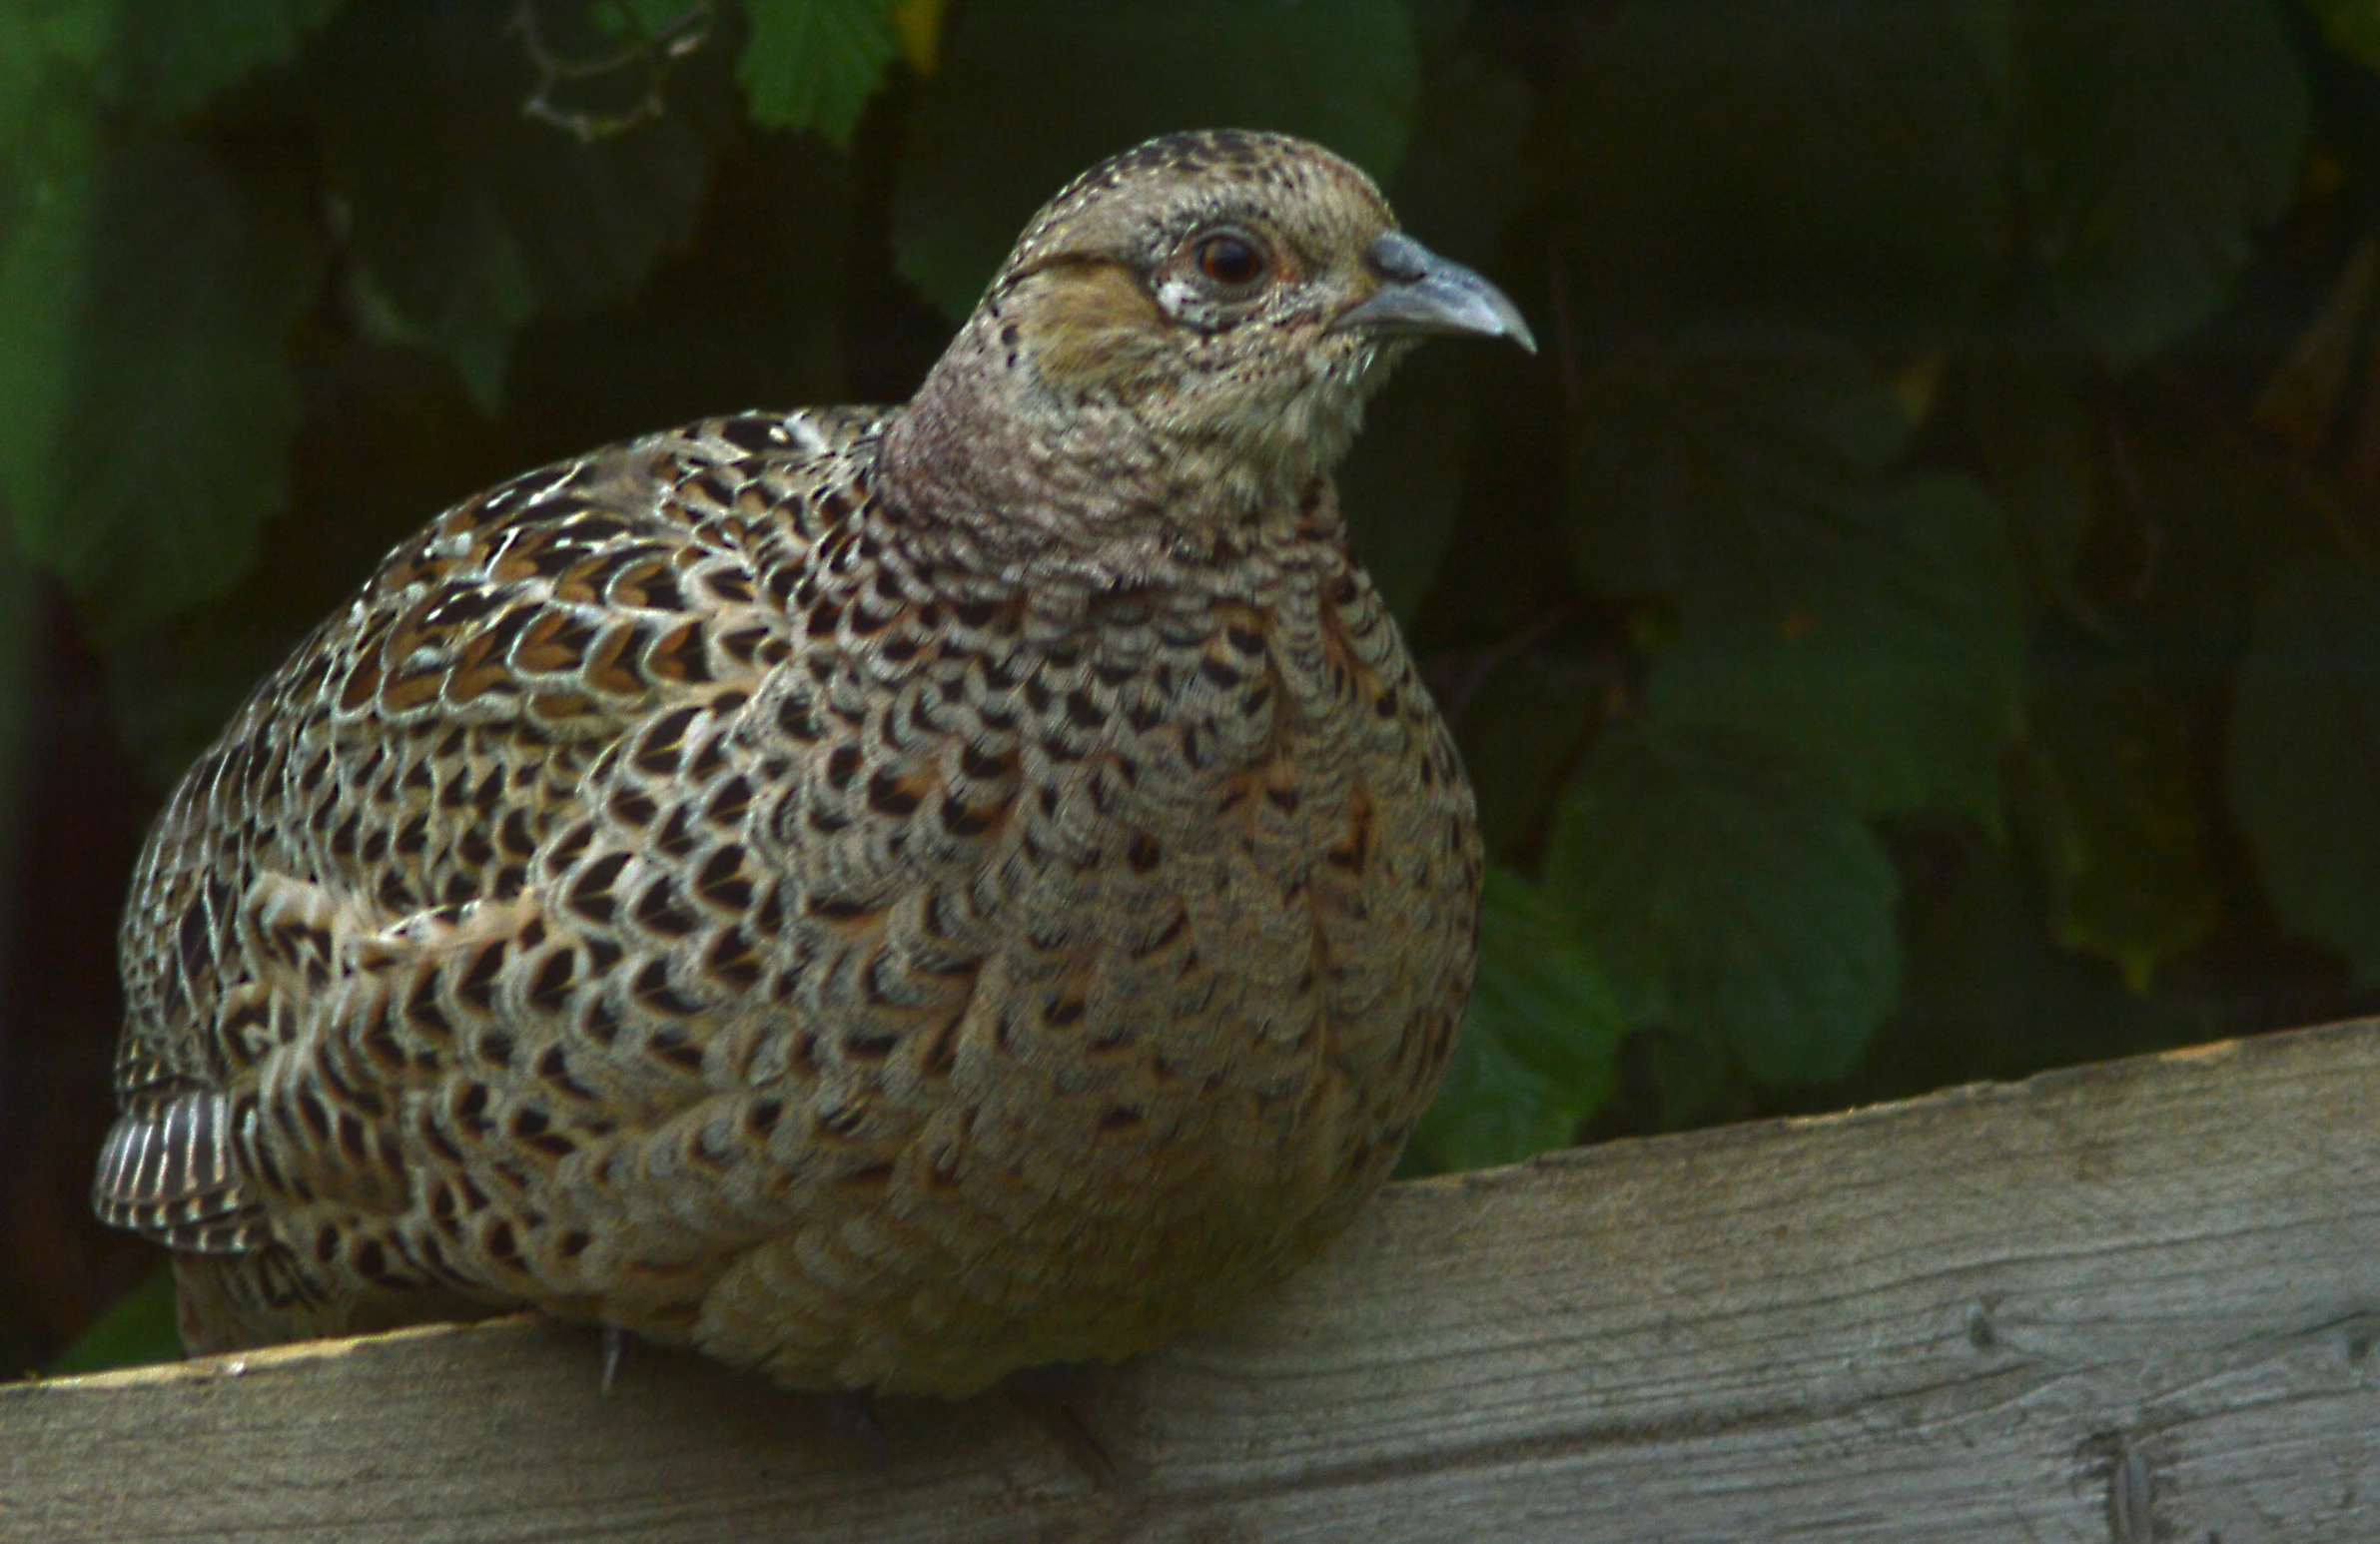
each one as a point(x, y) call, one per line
point(2130, 1303)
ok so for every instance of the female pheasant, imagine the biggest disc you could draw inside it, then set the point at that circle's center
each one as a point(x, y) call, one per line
point(884, 897)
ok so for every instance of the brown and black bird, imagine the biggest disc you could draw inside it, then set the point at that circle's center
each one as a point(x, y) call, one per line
point(885, 897)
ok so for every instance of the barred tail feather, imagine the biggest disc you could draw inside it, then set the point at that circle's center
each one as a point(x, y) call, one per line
point(167, 1174)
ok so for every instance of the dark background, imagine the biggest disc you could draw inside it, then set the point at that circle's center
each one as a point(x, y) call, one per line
point(1915, 620)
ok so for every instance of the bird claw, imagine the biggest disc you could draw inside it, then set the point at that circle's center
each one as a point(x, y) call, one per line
point(1042, 1393)
point(853, 1412)
point(615, 1353)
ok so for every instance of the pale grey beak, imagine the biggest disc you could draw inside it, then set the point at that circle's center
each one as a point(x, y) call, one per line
point(1422, 294)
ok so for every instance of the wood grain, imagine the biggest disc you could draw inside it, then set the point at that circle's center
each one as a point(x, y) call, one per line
point(2127, 1303)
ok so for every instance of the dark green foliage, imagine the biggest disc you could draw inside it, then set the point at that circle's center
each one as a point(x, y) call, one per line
point(1538, 1053)
point(170, 56)
point(1881, 639)
point(1832, 159)
point(468, 216)
point(2111, 811)
point(1732, 896)
point(146, 397)
point(1918, 619)
point(136, 1329)
point(2304, 764)
point(2154, 142)
point(814, 63)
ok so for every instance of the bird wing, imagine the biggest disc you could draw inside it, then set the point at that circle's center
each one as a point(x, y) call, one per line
point(382, 797)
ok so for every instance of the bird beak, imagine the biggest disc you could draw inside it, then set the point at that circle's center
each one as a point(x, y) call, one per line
point(1424, 294)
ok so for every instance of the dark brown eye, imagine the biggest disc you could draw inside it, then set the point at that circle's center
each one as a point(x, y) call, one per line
point(1231, 259)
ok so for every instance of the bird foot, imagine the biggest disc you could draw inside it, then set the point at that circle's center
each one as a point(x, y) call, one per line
point(615, 1353)
point(1047, 1395)
point(853, 1412)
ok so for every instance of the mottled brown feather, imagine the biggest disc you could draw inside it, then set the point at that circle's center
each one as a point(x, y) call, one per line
point(884, 897)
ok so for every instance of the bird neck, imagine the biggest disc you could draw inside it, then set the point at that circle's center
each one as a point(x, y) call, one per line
point(1042, 485)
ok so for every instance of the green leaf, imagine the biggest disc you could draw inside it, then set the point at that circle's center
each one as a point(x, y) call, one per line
point(2110, 810)
point(405, 442)
point(2154, 141)
point(137, 1329)
point(145, 402)
point(470, 216)
point(1689, 453)
point(1729, 892)
point(1984, 991)
point(756, 313)
point(1032, 92)
point(2303, 764)
point(2213, 522)
point(1875, 629)
point(1539, 1046)
point(2032, 430)
point(1832, 162)
point(38, 32)
point(1880, 635)
point(46, 103)
point(171, 56)
point(813, 64)
point(1521, 730)
point(2353, 27)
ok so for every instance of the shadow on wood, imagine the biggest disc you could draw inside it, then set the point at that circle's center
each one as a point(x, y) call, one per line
point(2123, 1303)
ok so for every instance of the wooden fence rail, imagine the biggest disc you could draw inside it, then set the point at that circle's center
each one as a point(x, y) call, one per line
point(2125, 1304)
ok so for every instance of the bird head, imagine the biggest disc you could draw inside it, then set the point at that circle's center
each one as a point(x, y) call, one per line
point(1193, 328)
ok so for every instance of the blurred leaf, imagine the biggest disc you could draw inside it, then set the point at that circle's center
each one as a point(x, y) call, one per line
point(2305, 757)
point(171, 56)
point(917, 23)
point(1520, 731)
point(1701, 1078)
point(813, 64)
point(1877, 631)
point(34, 32)
point(1985, 993)
point(1878, 637)
point(390, 438)
point(2032, 430)
point(1032, 92)
point(137, 1329)
point(2111, 812)
point(2204, 523)
point(639, 19)
point(20, 641)
point(752, 316)
point(1463, 170)
point(1406, 477)
point(1832, 162)
point(145, 402)
point(471, 217)
point(1458, 184)
point(2301, 401)
point(1728, 892)
point(2154, 141)
point(1989, 26)
point(2353, 27)
point(1689, 456)
point(1539, 1046)
point(46, 106)
point(1400, 486)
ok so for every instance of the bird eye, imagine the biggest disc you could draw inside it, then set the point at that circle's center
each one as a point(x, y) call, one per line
point(1231, 259)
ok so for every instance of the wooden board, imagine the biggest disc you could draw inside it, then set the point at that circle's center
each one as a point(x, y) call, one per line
point(2127, 1303)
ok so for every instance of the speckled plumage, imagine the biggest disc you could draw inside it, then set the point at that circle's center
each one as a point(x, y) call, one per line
point(884, 897)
